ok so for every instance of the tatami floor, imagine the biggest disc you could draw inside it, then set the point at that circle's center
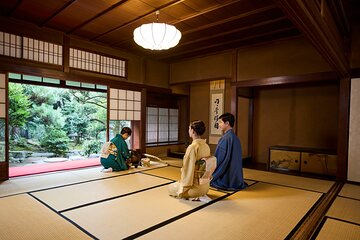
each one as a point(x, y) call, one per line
point(90, 204)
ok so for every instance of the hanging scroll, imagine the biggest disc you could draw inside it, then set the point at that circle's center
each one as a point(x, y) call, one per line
point(217, 102)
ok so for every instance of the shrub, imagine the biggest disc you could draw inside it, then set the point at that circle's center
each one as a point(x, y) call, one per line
point(91, 146)
point(56, 141)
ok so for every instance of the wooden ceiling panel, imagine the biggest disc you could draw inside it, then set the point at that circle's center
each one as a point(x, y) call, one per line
point(190, 51)
point(131, 46)
point(119, 36)
point(200, 5)
point(240, 33)
point(158, 4)
point(7, 6)
point(37, 11)
point(78, 13)
point(116, 18)
point(192, 23)
point(237, 8)
point(231, 25)
point(178, 11)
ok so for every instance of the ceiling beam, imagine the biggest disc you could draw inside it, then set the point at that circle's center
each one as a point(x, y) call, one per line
point(172, 3)
point(57, 12)
point(189, 17)
point(97, 16)
point(315, 20)
point(12, 10)
point(226, 20)
point(167, 56)
point(211, 9)
point(269, 22)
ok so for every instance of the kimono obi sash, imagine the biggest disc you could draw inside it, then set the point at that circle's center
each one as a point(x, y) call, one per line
point(204, 169)
point(107, 149)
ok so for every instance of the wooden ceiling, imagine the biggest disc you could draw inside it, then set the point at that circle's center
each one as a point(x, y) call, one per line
point(207, 25)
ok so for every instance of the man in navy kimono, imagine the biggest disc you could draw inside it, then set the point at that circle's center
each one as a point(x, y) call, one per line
point(228, 174)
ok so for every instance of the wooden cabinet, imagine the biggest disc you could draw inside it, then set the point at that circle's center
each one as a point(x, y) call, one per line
point(284, 160)
point(318, 163)
point(309, 160)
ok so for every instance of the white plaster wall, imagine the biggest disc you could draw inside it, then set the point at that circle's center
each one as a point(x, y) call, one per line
point(354, 132)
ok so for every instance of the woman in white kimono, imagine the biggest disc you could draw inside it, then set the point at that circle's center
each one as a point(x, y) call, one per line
point(190, 186)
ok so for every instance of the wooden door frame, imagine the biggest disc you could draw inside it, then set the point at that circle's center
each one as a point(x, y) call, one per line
point(4, 166)
point(247, 93)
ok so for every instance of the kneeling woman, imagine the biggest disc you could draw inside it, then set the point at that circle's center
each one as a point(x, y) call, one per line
point(189, 185)
point(117, 153)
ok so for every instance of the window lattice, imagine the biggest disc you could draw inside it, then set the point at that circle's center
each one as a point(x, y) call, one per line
point(112, 66)
point(162, 125)
point(36, 50)
point(173, 124)
point(84, 60)
point(94, 62)
point(41, 51)
point(125, 104)
point(152, 125)
point(10, 45)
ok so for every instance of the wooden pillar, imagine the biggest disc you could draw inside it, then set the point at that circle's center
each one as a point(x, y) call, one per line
point(142, 129)
point(343, 129)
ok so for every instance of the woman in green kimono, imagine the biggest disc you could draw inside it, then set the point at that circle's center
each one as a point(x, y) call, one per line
point(117, 152)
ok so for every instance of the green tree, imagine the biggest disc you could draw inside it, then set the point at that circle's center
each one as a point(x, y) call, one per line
point(86, 114)
point(53, 112)
point(18, 108)
point(56, 141)
point(45, 109)
point(39, 95)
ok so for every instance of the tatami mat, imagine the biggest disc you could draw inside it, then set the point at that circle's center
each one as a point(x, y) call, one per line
point(289, 180)
point(345, 209)
point(121, 217)
point(174, 173)
point(263, 211)
point(169, 172)
point(48, 180)
point(100, 204)
point(177, 162)
point(256, 175)
point(22, 217)
point(252, 175)
point(338, 230)
point(350, 191)
point(83, 193)
point(30, 183)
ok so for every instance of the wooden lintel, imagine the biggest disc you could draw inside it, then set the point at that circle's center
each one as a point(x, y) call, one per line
point(281, 80)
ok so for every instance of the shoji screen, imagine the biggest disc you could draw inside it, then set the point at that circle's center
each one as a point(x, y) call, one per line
point(125, 104)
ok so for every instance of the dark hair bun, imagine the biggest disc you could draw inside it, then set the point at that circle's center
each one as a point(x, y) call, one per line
point(198, 126)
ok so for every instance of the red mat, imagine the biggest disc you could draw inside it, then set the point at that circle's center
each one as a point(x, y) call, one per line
point(52, 167)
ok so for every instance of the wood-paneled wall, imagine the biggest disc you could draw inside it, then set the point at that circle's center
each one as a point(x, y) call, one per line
point(302, 116)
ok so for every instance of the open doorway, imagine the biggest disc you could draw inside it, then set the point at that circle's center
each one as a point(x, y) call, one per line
point(55, 126)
